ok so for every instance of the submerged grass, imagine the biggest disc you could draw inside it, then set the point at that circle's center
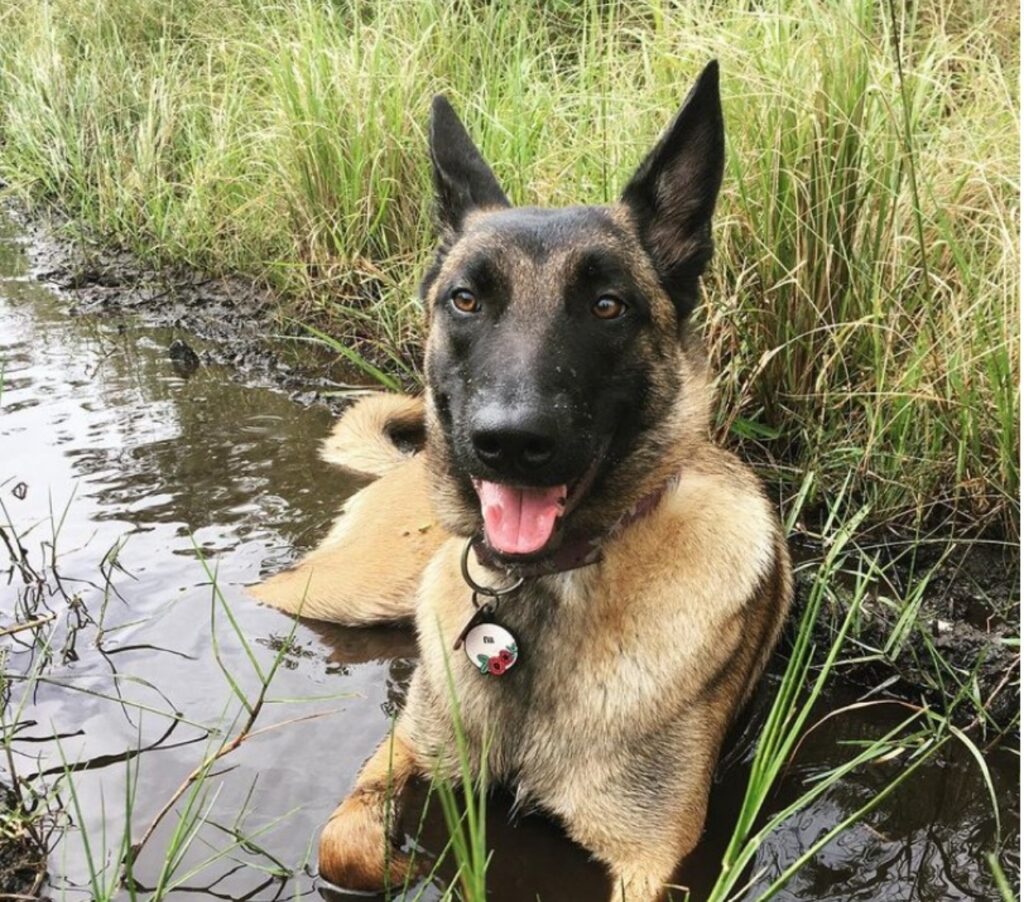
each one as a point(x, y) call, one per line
point(863, 304)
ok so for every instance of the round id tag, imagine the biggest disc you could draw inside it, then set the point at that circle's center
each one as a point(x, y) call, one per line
point(491, 648)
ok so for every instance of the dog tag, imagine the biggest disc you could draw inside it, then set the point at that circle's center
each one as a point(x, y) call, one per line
point(491, 648)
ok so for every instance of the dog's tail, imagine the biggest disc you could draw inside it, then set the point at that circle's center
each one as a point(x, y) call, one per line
point(376, 434)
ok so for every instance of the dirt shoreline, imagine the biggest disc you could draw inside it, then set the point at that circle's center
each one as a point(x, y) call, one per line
point(232, 322)
point(234, 319)
point(961, 644)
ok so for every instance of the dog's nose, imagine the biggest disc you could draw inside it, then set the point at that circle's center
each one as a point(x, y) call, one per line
point(515, 441)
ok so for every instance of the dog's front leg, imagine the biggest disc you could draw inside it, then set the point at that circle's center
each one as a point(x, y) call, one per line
point(640, 849)
point(357, 850)
point(642, 809)
point(643, 875)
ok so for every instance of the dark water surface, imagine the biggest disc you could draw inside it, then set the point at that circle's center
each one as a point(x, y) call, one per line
point(105, 446)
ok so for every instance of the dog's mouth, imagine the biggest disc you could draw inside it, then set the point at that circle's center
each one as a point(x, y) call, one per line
point(523, 520)
point(518, 520)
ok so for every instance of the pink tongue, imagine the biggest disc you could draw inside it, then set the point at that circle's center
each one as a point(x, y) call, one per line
point(519, 521)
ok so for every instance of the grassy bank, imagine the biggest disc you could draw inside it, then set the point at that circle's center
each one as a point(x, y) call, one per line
point(863, 303)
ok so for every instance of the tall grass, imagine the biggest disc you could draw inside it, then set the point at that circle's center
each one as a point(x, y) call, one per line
point(863, 304)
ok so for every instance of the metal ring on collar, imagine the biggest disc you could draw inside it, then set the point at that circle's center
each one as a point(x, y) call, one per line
point(475, 586)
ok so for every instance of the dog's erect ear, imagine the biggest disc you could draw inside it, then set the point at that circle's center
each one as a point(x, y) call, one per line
point(672, 194)
point(462, 180)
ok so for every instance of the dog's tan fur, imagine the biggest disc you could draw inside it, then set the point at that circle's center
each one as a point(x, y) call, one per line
point(630, 669)
point(634, 674)
point(368, 569)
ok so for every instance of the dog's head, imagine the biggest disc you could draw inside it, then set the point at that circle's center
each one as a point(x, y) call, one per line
point(563, 384)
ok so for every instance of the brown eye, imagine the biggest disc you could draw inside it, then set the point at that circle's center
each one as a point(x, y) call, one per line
point(465, 301)
point(608, 307)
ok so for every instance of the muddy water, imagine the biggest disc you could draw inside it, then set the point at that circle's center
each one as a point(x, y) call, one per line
point(111, 453)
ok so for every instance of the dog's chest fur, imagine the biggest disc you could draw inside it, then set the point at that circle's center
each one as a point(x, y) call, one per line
point(542, 713)
point(610, 655)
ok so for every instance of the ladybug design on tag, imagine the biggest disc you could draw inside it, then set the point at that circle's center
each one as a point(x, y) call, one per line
point(491, 648)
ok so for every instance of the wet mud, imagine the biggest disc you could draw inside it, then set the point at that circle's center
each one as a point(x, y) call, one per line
point(225, 321)
point(963, 638)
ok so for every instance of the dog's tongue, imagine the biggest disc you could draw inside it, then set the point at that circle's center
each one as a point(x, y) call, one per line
point(519, 521)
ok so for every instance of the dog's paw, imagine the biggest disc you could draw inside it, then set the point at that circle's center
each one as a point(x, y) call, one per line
point(356, 852)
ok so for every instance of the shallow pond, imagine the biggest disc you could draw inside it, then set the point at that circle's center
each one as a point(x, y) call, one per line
point(127, 469)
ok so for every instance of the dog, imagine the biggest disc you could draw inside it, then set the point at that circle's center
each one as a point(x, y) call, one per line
point(596, 586)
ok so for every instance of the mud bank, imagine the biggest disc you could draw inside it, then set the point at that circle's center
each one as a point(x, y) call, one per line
point(960, 641)
point(22, 862)
point(227, 321)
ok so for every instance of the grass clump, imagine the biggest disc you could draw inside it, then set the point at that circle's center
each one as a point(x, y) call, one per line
point(863, 302)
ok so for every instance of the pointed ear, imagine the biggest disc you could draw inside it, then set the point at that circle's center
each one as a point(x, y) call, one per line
point(672, 194)
point(462, 180)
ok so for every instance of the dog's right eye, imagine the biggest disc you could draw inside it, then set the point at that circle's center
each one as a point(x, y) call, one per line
point(608, 307)
point(465, 301)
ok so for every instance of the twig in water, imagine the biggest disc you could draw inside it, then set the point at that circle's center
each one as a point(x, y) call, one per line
point(27, 625)
point(247, 732)
point(248, 728)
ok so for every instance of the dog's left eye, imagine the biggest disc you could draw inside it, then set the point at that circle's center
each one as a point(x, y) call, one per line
point(608, 307)
point(465, 301)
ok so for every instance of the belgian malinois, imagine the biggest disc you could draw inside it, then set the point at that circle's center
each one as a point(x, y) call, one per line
point(603, 584)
